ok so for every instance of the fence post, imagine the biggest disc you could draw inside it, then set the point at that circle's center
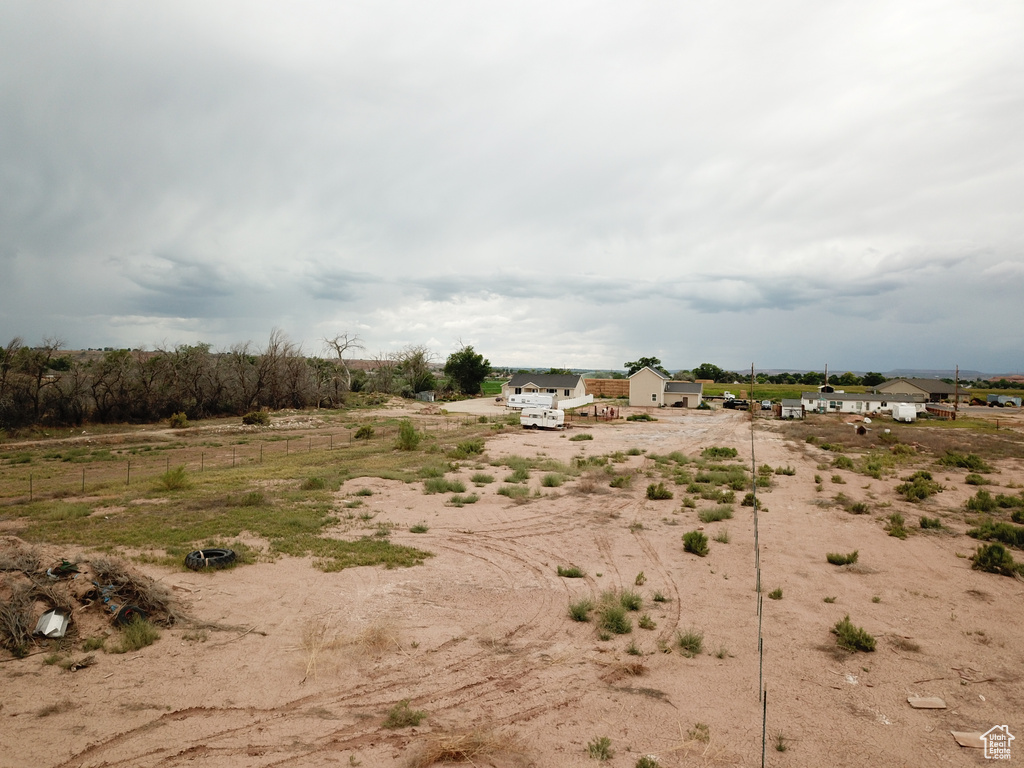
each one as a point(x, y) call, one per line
point(261, 453)
point(202, 462)
point(128, 481)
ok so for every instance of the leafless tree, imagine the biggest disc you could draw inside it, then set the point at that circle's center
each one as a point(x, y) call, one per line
point(340, 344)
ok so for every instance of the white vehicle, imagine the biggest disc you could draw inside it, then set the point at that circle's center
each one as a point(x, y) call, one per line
point(727, 395)
point(542, 418)
point(536, 400)
point(904, 412)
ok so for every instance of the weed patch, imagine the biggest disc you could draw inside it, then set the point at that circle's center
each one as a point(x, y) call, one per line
point(690, 642)
point(719, 452)
point(658, 492)
point(852, 638)
point(403, 716)
point(572, 572)
point(835, 558)
point(715, 514)
point(696, 543)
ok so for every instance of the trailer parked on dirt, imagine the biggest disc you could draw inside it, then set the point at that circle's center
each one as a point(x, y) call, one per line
point(542, 418)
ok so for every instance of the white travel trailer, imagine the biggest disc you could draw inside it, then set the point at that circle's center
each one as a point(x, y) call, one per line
point(542, 418)
point(535, 400)
point(904, 412)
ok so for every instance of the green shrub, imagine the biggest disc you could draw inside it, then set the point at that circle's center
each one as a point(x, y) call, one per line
point(515, 492)
point(419, 528)
point(838, 480)
point(658, 597)
point(657, 492)
point(896, 526)
point(470, 447)
point(646, 622)
point(136, 635)
point(918, 486)
point(969, 461)
point(313, 484)
point(408, 438)
point(696, 543)
point(982, 501)
point(775, 594)
point(835, 447)
point(714, 514)
point(994, 558)
point(458, 500)
point(580, 610)
point(631, 600)
point(365, 432)
point(519, 475)
point(572, 572)
point(634, 452)
point(932, 523)
point(612, 618)
point(1005, 533)
point(256, 418)
point(581, 437)
point(690, 642)
point(641, 417)
point(852, 638)
point(621, 481)
point(749, 500)
point(443, 485)
point(482, 478)
point(719, 452)
point(600, 748)
point(175, 479)
point(839, 559)
point(551, 480)
point(842, 462)
point(975, 479)
point(859, 508)
point(787, 470)
point(1009, 502)
point(1017, 516)
point(364, 492)
point(178, 421)
point(403, 716)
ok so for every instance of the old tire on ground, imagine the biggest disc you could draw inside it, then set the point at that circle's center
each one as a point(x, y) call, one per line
point(127, 614)
point(209, 558)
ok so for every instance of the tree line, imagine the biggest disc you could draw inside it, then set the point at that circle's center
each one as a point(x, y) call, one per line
point(42, 385)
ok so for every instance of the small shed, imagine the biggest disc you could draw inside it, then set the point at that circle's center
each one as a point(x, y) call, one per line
point(791, 409)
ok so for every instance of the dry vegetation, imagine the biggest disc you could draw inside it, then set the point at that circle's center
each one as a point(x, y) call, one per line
point(598, 619)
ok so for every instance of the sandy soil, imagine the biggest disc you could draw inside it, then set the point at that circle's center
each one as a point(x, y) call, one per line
point(479, 636)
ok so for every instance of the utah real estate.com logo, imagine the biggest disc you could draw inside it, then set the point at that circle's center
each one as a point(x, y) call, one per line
point(997, 742)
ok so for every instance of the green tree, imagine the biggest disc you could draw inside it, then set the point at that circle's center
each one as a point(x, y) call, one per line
point(848, 379)
point(644, 362)
point(708, 371)
point(467, 370)
point(872, 379)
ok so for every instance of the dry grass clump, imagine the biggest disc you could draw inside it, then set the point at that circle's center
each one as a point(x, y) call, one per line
point(472, 746)
point(15, 556)
point(317, 637)
point(16, 617)
point(380, 636)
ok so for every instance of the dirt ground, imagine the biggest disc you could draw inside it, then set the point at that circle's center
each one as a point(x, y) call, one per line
point(479, 637)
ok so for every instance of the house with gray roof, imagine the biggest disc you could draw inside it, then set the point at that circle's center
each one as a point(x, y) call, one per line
point(864, 403)
point(933, 390)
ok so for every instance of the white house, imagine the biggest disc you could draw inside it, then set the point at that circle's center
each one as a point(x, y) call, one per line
point(560, 386)
point(862, 403)
point(651, 388)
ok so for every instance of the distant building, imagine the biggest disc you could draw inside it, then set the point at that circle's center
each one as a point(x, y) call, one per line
point(933, 390)
point(651, 388)
point(560, 386)
point(862, 403)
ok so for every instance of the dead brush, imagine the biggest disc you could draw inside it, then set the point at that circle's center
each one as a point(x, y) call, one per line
point(380, 636)
point(317, 637)
point(16, 556)
point(151, 596)
point(16, 617)
point(469, 747)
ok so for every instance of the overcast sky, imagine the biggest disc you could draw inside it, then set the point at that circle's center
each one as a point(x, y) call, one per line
point(787, 184)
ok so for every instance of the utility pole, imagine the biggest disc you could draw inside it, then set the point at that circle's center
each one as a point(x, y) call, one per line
point(956, 393)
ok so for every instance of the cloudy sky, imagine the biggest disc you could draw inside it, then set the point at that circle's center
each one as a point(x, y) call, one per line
point(576, 184)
